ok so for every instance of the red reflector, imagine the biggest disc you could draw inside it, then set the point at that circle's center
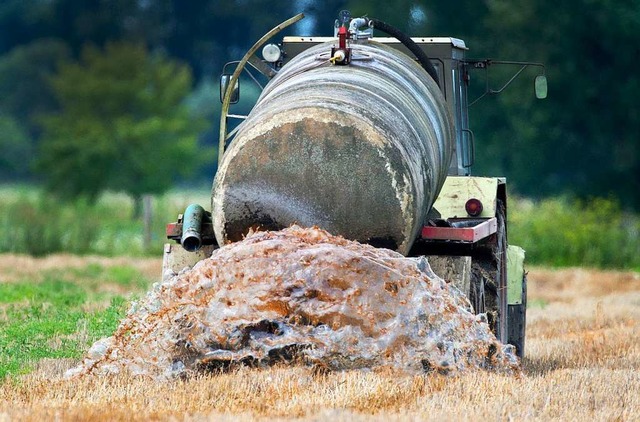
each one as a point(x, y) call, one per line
point(473, 207)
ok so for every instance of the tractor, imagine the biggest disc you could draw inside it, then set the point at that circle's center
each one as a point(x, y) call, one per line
point(368, 138)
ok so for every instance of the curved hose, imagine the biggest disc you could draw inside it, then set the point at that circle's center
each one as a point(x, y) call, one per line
point(410, 44)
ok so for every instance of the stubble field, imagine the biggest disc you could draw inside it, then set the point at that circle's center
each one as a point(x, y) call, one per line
point(583, 362)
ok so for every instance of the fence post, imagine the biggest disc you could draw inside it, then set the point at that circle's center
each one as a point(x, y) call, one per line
point(147, 214)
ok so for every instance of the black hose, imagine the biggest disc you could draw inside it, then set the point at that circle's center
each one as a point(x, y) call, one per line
point(410, 44)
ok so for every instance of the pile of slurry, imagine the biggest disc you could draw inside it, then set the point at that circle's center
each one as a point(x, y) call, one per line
point(305, 297)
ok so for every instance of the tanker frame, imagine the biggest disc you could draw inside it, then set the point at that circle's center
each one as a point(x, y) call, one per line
point(366, 137)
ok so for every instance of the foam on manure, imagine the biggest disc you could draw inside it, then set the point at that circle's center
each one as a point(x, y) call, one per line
point(303, 296)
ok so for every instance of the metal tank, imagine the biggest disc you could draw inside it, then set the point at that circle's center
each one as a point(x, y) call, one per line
point(360, 150)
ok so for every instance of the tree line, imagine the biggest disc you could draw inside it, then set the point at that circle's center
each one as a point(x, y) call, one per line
point(121, 94)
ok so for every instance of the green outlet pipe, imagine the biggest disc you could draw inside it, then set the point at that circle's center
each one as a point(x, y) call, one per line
point(191, 226)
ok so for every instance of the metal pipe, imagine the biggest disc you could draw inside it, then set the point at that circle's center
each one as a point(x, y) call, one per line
point(236, 74)
point(357, 23)
point(191, 226)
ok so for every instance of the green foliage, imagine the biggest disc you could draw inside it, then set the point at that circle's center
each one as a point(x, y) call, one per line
point(50, 318)
point(94, 275)
point(557, 232)
point(122, 126)
point(55, 291)
point(39, 226)
point(583, 139)
point(25, 93)
point(25, 90)
point(563, 232)
point(16, 147)
point(36, 224)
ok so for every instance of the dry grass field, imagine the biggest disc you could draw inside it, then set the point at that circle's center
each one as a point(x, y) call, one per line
point(583, 363)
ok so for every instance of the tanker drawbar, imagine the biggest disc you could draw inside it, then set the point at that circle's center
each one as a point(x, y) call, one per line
point(361, 150)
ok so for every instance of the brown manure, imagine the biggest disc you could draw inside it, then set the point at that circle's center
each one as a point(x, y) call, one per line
point(300, 296)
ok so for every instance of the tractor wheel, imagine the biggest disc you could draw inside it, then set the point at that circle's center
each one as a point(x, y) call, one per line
point(476, 294)
point(489, 275)
point(500, 256)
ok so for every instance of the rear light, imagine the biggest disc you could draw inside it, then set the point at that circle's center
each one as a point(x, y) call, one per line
point(473, 207)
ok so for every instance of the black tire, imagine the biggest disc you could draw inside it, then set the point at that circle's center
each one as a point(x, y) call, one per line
point(477, 291)
point(500, 254)
point(489, 272)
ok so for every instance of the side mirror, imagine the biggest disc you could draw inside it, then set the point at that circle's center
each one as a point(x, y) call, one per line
point(235, 92)
point(540, 84)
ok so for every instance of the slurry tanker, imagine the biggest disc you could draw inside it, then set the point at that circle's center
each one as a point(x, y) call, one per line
point(368, 138)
